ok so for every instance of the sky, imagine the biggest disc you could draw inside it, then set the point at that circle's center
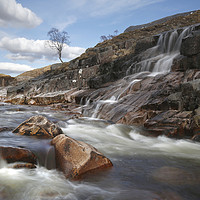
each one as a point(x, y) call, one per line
point(24, 25)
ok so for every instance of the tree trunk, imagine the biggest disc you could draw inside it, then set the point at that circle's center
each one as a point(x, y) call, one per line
point(60, 57)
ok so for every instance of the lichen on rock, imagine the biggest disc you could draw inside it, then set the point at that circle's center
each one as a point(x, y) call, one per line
point(38, 126)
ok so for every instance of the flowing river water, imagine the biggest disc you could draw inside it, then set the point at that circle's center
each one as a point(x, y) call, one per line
point(144, 167)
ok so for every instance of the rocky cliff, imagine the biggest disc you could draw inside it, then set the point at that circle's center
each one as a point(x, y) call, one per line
point(148, 77)
point(5, 80)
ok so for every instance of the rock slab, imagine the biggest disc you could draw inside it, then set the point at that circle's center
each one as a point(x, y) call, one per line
point(13, 154)
point(38, 126)
point(75, 158)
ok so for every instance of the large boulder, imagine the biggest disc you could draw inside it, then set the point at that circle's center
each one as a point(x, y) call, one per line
point(15, 154)
point(75, 158)
point(38, 126)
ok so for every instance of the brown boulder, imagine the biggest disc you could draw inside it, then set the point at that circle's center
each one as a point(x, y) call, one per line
point(75, 158)
point(15, 154)
point(38, 126)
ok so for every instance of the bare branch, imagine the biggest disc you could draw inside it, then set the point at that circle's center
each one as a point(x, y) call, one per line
point(57, 40)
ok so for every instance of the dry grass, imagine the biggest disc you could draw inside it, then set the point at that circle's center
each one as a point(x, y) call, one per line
point(4, 75)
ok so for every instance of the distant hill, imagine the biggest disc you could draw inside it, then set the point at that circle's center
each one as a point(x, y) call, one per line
point(33, 73)
point(4, 75)
point(160, 21)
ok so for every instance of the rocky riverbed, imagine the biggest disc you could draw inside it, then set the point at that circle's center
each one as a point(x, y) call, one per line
point(143, 167)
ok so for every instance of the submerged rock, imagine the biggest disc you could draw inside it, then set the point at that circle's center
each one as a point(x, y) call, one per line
point(75, 158)
point(175, 176)
point(38, 126)
point(196, 137)
point(2, 129)
point(15, 154)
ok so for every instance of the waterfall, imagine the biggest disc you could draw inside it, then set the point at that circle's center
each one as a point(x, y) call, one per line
point(155, 60)
point(160, 58)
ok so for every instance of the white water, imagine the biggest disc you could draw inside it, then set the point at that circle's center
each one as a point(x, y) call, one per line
point(154, 61)
point(160, 58)
point(135, 157)
point(121, 140)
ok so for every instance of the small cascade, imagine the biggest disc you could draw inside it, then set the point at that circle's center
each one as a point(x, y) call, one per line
point(153, 61)
point(159, 59)
point(45, 154)
point(130, 85)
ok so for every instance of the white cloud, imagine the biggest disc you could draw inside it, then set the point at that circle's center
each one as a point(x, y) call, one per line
point(13, 68)
point(14, 14)
point(106, 7)
point(31, 50)
point(61, 26)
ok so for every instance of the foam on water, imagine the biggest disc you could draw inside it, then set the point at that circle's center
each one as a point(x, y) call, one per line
point(118, 139)
point(134, 156)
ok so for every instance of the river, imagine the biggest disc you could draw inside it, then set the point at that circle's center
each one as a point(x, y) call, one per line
point(145, 168)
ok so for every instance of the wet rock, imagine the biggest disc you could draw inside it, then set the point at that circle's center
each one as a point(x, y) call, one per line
point(75, 158)
point(38, 126)
point(15, 154)
point(175, 176)
point(170, 195)
point(191, 95)
point(31, 102)
point(196, 137)
point(165, 104)
point(191, 45)
point(2, 129)
point(171, 123)
point(17, 100)
point(24, 165)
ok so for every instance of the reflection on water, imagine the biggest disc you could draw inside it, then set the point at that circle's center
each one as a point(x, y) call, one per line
point(141, 163)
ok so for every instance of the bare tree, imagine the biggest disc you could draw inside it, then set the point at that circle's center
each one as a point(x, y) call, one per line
point(103, 38)
point(116, 32)
point(56, 40)
point(109, 37)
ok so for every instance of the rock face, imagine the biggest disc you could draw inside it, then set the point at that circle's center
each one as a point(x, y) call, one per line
point(165, 104)
point(5, 80)
point(38, 126)
point(75, 158)
point(12, 154)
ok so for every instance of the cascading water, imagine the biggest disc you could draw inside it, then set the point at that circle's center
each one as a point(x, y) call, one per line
point(156, 60)
point(160, 58)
